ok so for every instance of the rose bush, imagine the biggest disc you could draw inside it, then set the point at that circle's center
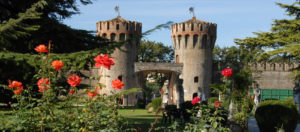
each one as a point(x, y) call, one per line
point(53, 110)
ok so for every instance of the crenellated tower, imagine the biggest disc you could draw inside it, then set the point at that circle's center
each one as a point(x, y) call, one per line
point(119, 29)
point(193, 41)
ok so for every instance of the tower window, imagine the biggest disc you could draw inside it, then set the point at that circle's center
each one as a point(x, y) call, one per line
point(192, 28)
point(195, 40)
point(127, 26)
point(196, 79)
point(179, 41)
point(107, 25)
point(174, 40)
point(118, 27)
point(177, 59)
point(183, 27)
point(201, 27)
point(186, 40)
point(120, 77)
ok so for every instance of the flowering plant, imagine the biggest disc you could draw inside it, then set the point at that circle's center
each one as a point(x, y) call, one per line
point(56, 108)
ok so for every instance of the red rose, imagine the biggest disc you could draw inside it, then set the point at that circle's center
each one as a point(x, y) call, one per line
point(42, 84)
point(41, 48)
point(18, 91)
point(9, 102)
point(103, 60)
point(16, 87)
point(196, 100)
point(71, 114)
point(15, 84)
point(72, 91)
point(217, 104)
point(92, 93)
point(161, 91)
point(74, 80)
point(227, 72)
point(57, 64)
point(117, 84)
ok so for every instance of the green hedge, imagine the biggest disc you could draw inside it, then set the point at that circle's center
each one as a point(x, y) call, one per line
point(156, 103)
point(272, 114)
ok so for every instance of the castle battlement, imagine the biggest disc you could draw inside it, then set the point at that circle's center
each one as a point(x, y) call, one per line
point(118, 28)
point(194, 34)
point(270, 66)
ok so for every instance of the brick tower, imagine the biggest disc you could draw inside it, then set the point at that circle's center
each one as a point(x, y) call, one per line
point(194, 41)
point(121, 29)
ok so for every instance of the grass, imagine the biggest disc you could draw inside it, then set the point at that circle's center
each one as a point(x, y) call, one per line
point(134, 117)
point(140, 118)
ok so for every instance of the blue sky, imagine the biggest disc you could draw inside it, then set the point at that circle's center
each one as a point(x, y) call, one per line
point(235, 18)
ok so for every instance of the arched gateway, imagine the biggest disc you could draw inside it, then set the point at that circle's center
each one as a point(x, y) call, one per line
point(170, 70)
point(193, 41)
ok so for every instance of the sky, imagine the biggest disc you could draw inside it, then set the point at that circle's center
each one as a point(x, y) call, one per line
point(234, 18)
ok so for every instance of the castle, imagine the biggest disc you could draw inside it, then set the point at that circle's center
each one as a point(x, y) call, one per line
point(192, 72)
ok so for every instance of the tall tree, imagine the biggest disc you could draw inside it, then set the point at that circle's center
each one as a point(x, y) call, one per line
point(46, 25)
point(281, 42)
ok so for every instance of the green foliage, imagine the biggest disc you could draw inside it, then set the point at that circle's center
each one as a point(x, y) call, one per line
point(150, 89)
point(231, 56)
point(210, 119)
point(16, 27)
point(244, 109)
point(211, 101)
point(218, 88)
point(272, 114)
point(156, 103)
point(151, 51)
point(283, 39)
point(242, 84)
point(49, 112)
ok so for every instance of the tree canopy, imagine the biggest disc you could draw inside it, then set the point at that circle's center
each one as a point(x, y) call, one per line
point(281, 43)
point(31, 22)
point(151, 51)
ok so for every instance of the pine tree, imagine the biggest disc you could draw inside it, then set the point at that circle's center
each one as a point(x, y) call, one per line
point(14, 28)
point(283, 38)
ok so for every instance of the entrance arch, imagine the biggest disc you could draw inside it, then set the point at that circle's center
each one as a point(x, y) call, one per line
point(171, 70)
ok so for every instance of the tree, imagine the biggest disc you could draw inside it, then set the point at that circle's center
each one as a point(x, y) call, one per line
point(229, 56)
point(151, 51)
point(39, 24)
point(283, 38)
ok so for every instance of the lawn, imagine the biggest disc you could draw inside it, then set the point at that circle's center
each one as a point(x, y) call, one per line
point(134, 117)
point(140, 118)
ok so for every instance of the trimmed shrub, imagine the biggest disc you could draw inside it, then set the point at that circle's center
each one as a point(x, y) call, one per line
point(272, 114)
point(156, 103)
